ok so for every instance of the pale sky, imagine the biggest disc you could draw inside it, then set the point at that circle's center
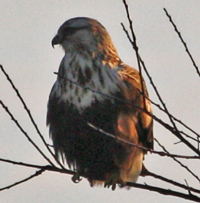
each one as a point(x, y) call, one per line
point(27, 28)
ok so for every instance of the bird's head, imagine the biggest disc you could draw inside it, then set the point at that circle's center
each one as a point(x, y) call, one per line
point(83, 33)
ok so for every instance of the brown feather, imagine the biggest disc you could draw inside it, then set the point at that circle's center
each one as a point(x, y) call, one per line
point(132, 77)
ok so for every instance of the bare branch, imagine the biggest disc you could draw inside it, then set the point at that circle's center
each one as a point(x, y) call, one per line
point(177, 120)
point(46, 167)
point(29, 114)
point(42, 169)
point(136, 185)
point(182, 165)
point(134, 43)
point(37, 173)
point(148, 173)
point(182, 40)
point(175, 130)
point(24, 132)
point(165, 191)
point(141, 147)
point(21, 163)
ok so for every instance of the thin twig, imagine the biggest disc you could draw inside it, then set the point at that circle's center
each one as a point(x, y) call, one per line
point(190, 137)
point(177, 120)
point(24, 132)
point(42, 169)
point(37, 173)
point(174, 158)
point(155, 89)
point(165, 191)
point(140, 61)
point(134, 43)
point(139, 146)
point(136, 185)
point(29, 114)
point(157, 105)
point(182, 40)
point(46, 167)
point(148, 173)
point(189, 190)
point(175, 129)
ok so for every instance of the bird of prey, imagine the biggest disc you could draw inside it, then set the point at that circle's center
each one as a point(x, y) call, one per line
point(95, 88)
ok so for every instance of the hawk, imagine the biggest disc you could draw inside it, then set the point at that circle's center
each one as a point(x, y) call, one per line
point(95, 87)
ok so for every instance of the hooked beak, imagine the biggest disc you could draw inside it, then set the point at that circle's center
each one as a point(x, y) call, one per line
point(56, 40)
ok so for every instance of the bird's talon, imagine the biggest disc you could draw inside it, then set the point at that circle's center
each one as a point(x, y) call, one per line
point(122, 184)
point(113, 187)
point(76, 178)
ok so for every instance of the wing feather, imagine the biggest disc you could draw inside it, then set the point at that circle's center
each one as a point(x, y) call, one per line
point(142, 121)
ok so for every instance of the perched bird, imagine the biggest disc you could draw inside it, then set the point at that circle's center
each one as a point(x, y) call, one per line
point(95, 88)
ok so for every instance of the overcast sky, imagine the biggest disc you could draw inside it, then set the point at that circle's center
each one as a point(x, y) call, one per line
point(27, 28)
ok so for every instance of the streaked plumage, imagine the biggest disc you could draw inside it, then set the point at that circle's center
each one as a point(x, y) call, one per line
point(90, 63)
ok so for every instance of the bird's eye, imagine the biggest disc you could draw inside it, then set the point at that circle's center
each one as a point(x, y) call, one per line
point(70, 31)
